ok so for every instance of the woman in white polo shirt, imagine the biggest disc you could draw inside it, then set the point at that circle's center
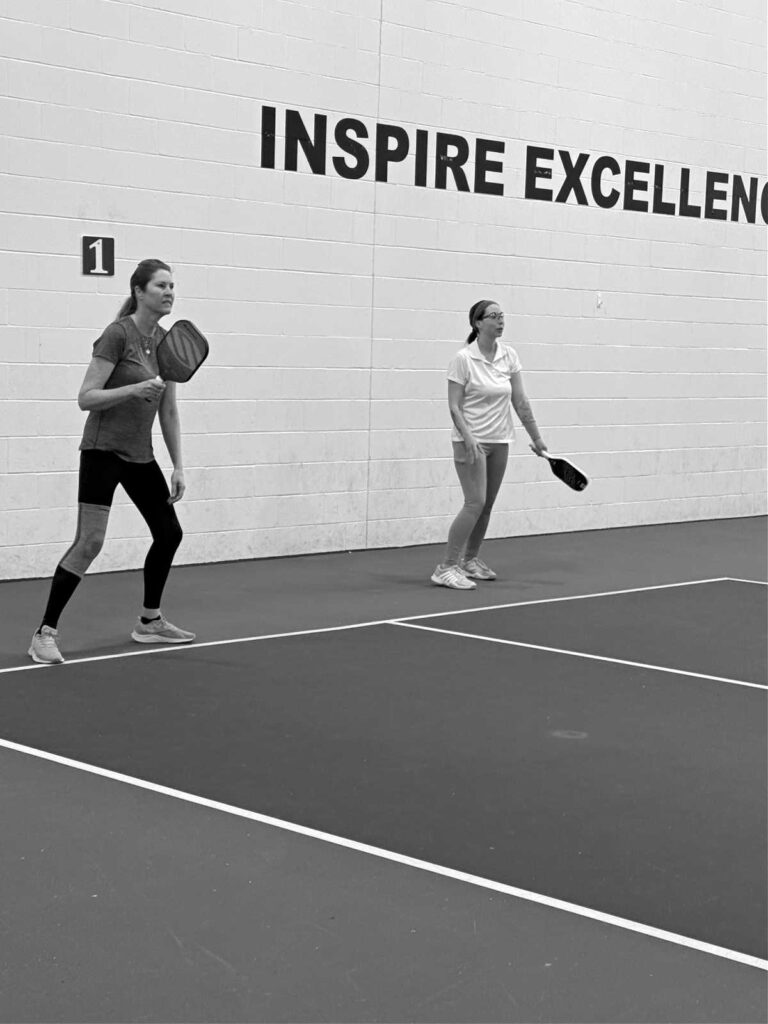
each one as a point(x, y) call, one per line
point(484, 383)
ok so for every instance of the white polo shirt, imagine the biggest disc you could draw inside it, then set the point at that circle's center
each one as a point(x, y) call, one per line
point(487, 392)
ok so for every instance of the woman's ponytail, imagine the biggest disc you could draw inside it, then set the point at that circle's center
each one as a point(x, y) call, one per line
point(475, 314)
point(128, 307)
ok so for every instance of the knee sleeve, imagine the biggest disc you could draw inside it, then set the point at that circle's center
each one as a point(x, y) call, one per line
point(89, 539)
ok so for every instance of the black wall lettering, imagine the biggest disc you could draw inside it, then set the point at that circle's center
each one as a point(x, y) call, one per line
point(659, 206)
point(533, 171)
point(359, 149)
point(444, 161)
point(604, 199)
point(484, 166)
point(422, 147)
point(572, 181)
point(687, 209)
point(268, 127)
point(312, 146)
point(746, 201)
point(342, 132)
point(713, 195)
point(632, 184)
point(385, 155)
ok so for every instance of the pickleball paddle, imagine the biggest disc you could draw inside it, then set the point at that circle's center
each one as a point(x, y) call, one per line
point(564, 470)
point(182, 352)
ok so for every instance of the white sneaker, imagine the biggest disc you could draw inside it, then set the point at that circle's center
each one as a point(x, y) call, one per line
point(451, 576)
point(43, 648)
point(476, 569)
point(160, 631)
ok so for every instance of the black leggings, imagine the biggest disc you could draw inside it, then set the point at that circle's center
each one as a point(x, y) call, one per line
point(144, 483)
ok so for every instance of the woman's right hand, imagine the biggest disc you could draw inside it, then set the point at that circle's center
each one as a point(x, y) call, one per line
point(150, 390)
point(472, 449)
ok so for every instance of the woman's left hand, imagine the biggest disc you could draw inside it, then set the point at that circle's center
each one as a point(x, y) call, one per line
point(178, 486)
point(538, 447)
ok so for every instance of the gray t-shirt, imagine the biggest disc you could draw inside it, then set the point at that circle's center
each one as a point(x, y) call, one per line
point(125, 429)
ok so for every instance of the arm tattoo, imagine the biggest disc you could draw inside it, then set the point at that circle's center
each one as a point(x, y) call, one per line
point(525, 413)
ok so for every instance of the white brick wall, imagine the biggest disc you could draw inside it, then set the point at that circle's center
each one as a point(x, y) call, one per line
point(333, 306)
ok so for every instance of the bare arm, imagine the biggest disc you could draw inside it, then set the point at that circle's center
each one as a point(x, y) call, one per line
point(456, 408)
point(170, 424)
point(522, 407)
point(171, 428)
point(93, 395)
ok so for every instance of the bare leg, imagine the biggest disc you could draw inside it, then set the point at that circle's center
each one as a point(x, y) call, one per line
point(472, 477)
point(496, 465)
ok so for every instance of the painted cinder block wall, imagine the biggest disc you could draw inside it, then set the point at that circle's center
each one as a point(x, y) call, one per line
point(334, 304)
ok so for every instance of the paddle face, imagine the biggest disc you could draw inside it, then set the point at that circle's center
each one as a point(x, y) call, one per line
point(567, 472)
point(182, 352)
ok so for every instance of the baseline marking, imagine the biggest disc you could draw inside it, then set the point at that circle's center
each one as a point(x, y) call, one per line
point(578, 654)
point(398, 858)
point(757, 583)
point(355, 625)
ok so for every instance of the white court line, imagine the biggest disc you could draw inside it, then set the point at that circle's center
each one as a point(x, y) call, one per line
point(573, 597)
point(177, 648)
point(758, 583)
point(354, 625)
point(578, 654)
point(398, 858)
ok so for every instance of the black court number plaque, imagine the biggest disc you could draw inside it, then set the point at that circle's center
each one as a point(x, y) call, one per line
point(98, 256)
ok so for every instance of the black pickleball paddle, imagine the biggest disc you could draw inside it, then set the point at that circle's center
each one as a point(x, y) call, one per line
point(182, 352)
point(565, 470)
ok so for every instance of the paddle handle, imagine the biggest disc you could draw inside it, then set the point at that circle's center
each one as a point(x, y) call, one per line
point(541, 455)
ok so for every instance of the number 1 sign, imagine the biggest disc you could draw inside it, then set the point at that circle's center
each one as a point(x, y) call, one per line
point(98, 256)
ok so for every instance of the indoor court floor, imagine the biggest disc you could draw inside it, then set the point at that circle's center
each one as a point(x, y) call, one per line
point(359, 797)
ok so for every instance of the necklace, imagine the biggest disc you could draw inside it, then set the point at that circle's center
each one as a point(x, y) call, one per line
point(146, 339)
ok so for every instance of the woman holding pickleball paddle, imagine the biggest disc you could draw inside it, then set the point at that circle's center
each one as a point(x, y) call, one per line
point(481, 379)
point(131, 379)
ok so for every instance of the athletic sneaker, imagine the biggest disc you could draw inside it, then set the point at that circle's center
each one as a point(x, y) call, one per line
point(43, 648)
point(160, 631)
point(476, 569)
point(451, 576)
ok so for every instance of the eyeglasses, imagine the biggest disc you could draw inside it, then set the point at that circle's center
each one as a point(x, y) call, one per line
point(493, 316)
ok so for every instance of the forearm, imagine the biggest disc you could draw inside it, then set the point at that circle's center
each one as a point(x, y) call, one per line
point(457, 416)
point(525, 414)
point(100, 398)
point(171, 429)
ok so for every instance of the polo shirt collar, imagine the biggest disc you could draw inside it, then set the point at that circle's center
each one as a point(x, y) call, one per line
point(475, 352)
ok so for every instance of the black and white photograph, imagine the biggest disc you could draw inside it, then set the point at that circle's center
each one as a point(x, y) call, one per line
point(383, 512)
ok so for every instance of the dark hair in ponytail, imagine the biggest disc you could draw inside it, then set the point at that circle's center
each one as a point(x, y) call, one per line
point(475, 314)
point(140, 278)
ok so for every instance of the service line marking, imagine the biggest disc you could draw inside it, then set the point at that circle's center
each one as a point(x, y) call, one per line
point(578, 654)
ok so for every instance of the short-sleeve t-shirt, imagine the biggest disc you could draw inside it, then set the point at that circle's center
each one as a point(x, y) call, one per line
point(487, 392)
point(125, 429)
